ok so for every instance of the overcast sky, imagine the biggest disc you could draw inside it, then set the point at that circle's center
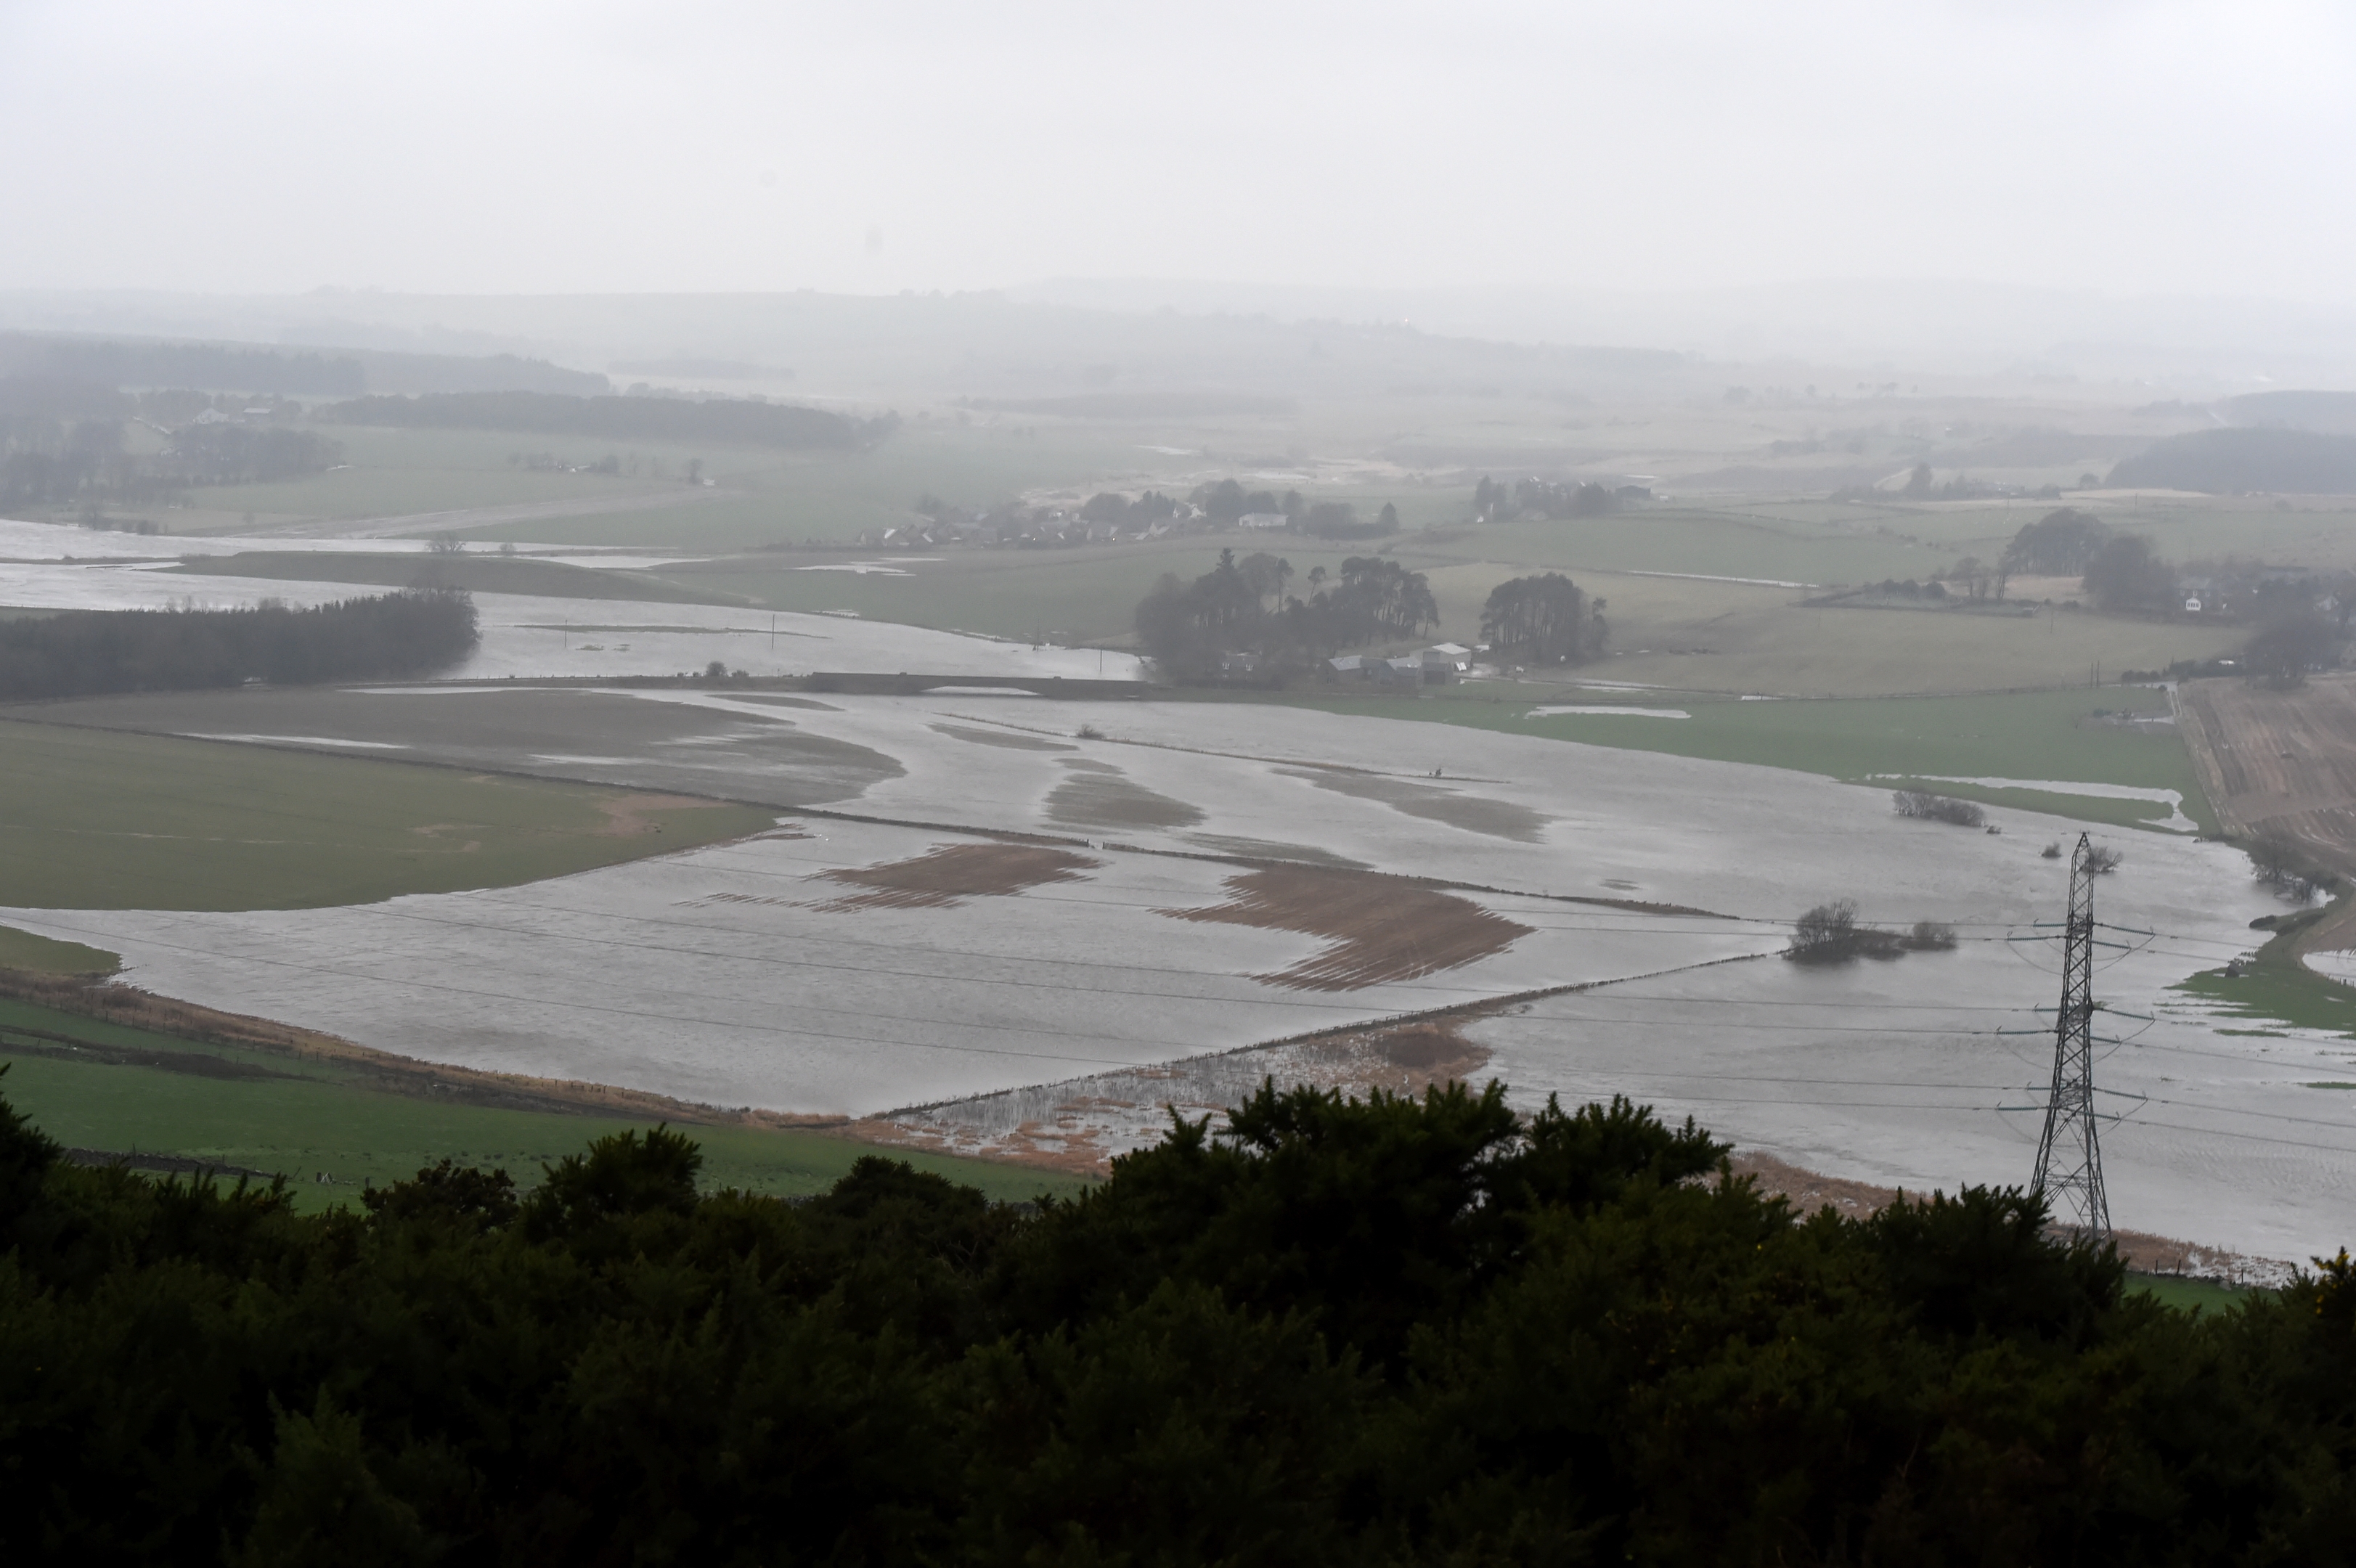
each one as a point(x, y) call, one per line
point(2135, 146)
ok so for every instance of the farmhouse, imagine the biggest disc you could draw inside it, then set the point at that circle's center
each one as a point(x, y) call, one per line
point(1443, 662)
point(1263, 520)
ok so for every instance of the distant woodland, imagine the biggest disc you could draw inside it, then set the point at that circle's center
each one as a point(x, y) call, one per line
point(2234, 462)
point(717, 420)
point(285, 372)
point(1337, 1332)
point(83, 653)
point(70, 443)
point(110, 363)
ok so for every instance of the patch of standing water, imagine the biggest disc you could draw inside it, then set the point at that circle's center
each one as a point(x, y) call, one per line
point(1607, 709)
point(2338, 965)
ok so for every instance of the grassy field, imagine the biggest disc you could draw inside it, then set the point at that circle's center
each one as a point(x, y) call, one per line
point(266, 1112)
point(2043, 736)
point(106, 820)
point(2279, 989)
point(46, 955)
point(477, 573)
point(391, 472)
point(762, 494)
point(1084, 596)
point(2186, 1294)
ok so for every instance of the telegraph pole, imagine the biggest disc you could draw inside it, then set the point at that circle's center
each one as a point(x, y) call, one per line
point(2069, 1157)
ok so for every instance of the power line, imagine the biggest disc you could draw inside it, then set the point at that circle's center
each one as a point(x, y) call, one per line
point(2068, 1153)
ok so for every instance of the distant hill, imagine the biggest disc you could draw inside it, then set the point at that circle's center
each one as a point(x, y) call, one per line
point(2228, 462)
point(2334, 413)
point(222, 367)
point(718, 419)
point(1138, 405)
point(284, 372)
point(389, 371)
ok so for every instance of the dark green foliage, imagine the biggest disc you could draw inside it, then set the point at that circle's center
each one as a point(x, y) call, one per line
point(2236, 462)
point(2126, 574)
point(2283, 652)
point(26, 1154)
point(1187, 627)
point(1395, 1331)
point(1543, 620)
point(722, 419)
point(459, 1194)
point(84, 652)
point(2058, 544)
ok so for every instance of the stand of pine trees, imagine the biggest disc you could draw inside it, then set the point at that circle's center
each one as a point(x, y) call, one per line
point(84, 653)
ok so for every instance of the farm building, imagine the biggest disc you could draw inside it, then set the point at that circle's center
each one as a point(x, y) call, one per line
point(1443, 662)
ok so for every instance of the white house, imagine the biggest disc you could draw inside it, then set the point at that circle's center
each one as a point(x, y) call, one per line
point(1263, 520)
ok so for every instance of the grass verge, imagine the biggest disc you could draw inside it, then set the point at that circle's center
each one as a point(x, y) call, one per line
point(124, 1089)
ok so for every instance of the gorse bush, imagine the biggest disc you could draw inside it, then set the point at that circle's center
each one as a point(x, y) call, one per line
point(1386, 1331)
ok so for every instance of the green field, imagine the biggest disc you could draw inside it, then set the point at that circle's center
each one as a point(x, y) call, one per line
point(100, 819)
point(760, 495)
point(2043, 735)
point(2279, 989)
point(45, 956)
point(2186, 1294)
point(1085, 595)
point(306, 1119)
point(476, 572)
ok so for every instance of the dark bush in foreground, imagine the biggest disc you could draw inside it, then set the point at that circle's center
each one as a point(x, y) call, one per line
point(85, 652)
point(1392, 1332)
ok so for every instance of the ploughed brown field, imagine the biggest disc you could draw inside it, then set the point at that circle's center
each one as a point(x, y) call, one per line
point(2282, 761)
point(1382, 929)
point(955, 873)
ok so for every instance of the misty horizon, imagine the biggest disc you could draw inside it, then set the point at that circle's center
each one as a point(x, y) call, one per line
point(2132, 151)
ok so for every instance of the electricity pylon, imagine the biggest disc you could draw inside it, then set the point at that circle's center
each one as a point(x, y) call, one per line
point(2069, 1157)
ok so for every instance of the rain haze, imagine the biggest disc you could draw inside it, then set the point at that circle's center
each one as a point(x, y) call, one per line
point(1084, 781)
point(2108, 148)
point(953, 577)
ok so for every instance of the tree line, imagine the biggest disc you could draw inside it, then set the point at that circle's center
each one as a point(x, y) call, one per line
point(65, 443)
point(1495, 501)
point(2300, 619)
point(734, 421)
point(1335, 1332)
point(83, 653)
point(166, 364)
point(1543, 620)
point(1244, 607)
